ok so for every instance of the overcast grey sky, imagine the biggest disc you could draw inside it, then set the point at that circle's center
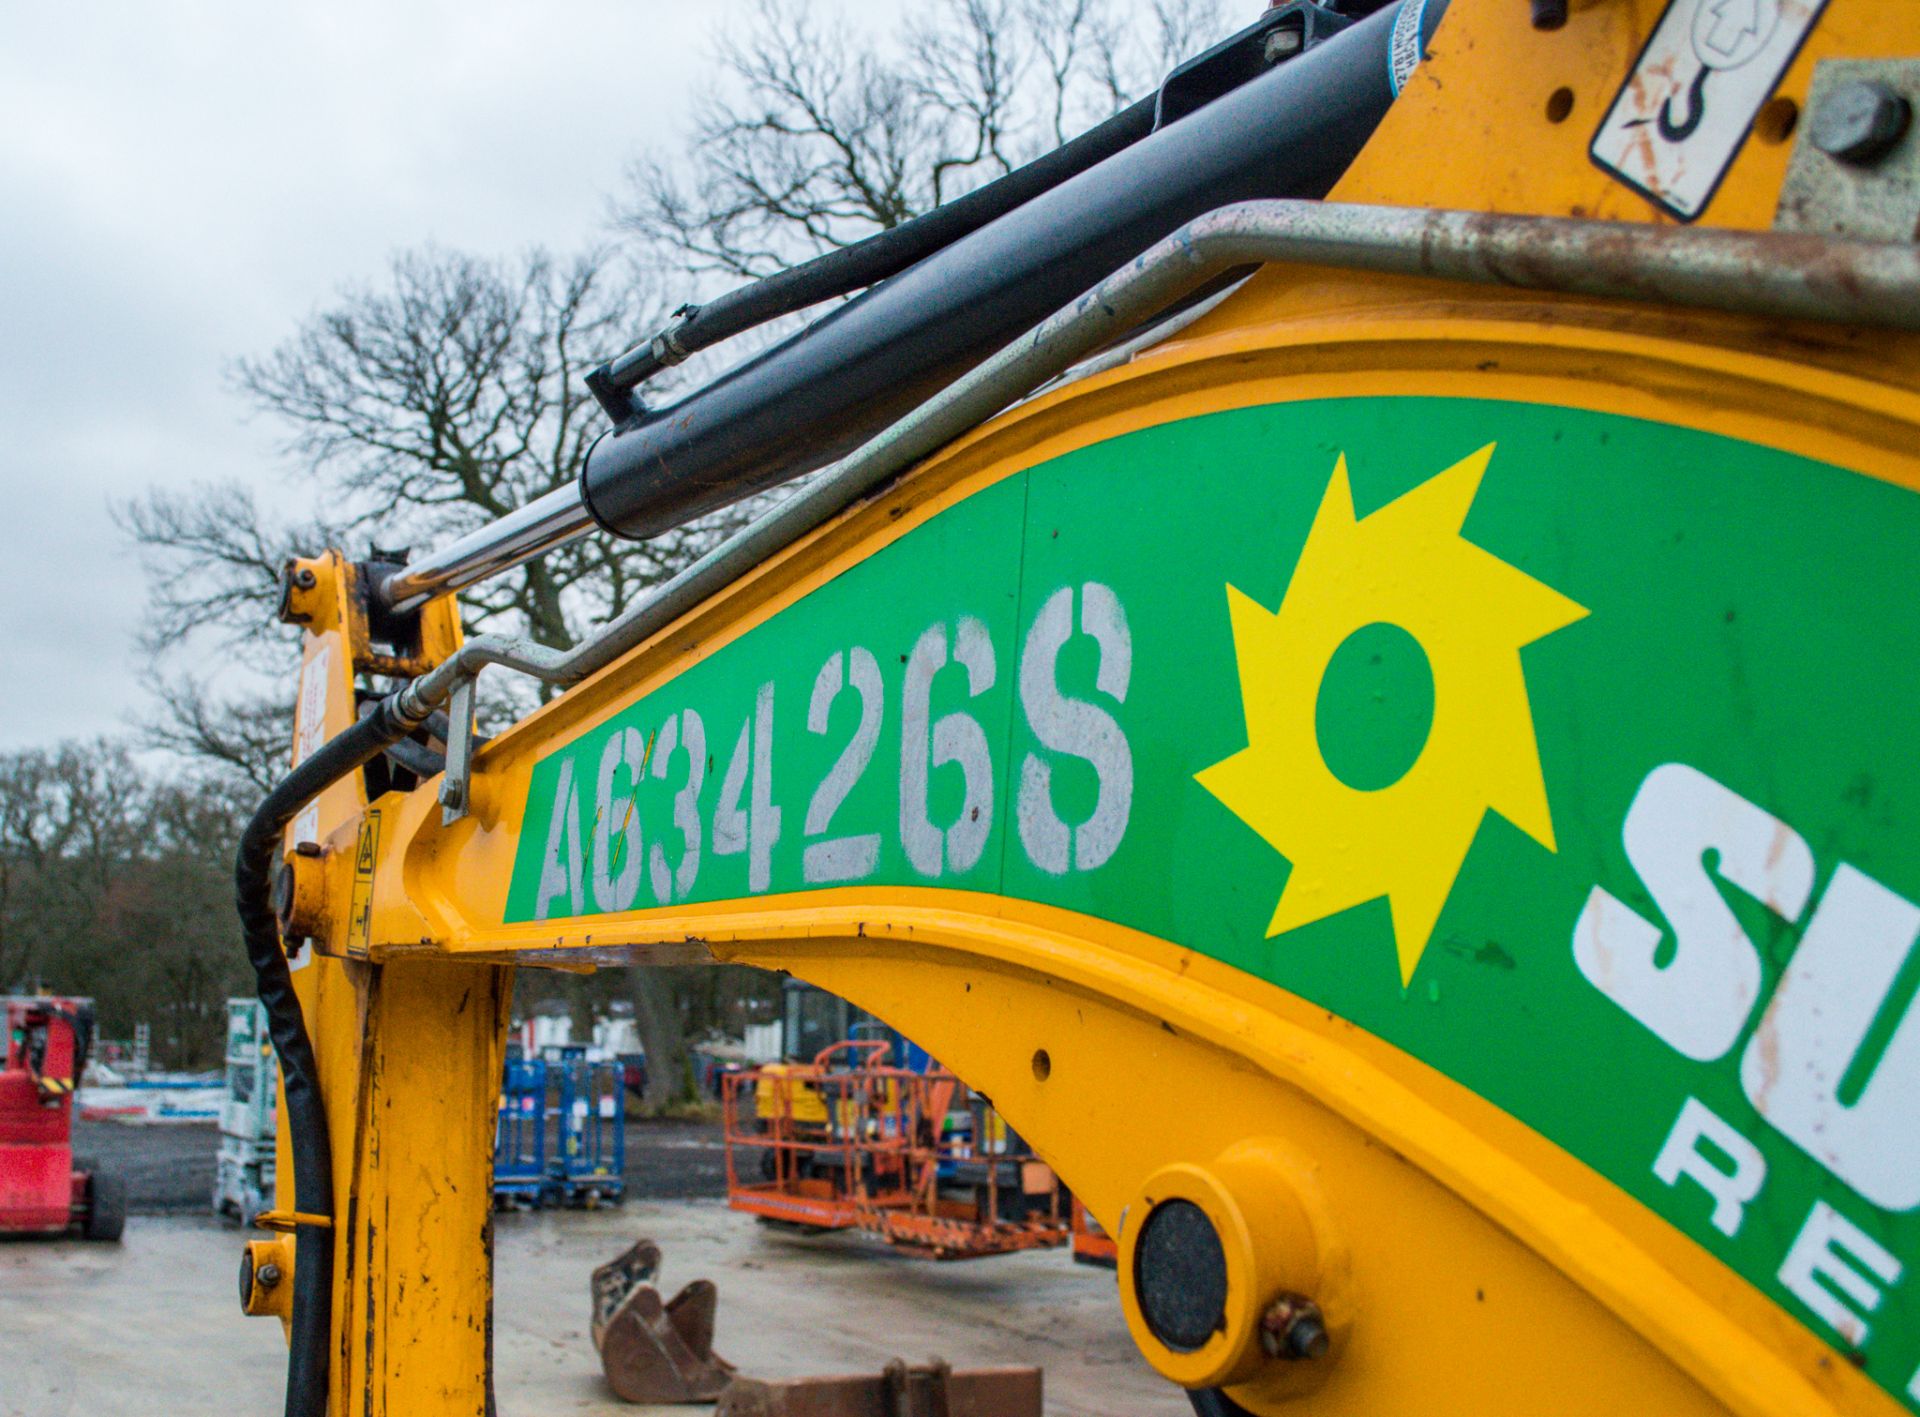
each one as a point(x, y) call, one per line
point(180, 183)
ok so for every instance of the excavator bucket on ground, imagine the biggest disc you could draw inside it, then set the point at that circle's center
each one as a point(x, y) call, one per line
point(651, 1351)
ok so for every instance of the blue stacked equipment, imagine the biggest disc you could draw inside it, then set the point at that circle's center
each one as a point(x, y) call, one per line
point(561, 1136)
point(589, 1160)
point(520, 1176)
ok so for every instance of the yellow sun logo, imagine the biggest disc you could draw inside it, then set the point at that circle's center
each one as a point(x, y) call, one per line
point(1468, 613)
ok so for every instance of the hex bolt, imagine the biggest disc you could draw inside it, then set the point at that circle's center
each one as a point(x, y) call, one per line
point(1293, 1328)
point(1549, 14)
point(267, 1276)
point(1859, 122)
point(305, 578)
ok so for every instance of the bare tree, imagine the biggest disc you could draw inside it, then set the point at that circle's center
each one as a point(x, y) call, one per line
point(818, 135)
point(420, 410)
point(238, 739)
point(417, 410)
point(216, 559)
point(113, 883)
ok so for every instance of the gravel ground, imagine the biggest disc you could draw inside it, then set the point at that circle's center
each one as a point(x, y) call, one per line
point(169, 1166)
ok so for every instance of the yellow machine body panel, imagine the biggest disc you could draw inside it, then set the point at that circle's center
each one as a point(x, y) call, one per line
point(1400, 768)
point(778, 1095)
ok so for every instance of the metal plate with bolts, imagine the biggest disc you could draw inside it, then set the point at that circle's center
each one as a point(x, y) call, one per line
point(1856, 157)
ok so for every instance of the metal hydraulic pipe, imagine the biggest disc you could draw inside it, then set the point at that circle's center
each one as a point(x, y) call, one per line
point(544, 523)
point(1291, 132)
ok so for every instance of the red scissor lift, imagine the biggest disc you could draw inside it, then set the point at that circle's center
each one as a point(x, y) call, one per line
point(42, 1189)
point(848, 1142)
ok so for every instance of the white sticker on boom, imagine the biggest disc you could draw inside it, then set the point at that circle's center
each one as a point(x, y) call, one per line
point(1691, 98)
point(310, 730)
point(306, 826)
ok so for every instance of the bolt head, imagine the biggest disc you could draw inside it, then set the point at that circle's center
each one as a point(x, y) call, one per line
point(267, 1276)
point(1307, 1338)
point(1293, 1328)
point(1859, 122)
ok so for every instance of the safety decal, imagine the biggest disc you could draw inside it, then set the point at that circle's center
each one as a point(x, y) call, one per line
point(366, 856)
point(1691, 98)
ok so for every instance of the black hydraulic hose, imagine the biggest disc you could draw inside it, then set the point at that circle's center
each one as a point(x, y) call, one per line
point(1291, 132)
point(864, 263)
point(260, 846)
point(416, 758)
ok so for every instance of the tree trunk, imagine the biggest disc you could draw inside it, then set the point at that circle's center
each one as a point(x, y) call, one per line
point(656, 1012)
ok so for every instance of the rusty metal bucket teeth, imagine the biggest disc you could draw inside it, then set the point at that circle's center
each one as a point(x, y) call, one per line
point(650, 1351)
point(654, 1352)
point(900, 1391)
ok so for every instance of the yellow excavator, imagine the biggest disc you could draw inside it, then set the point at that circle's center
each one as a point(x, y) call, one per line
point(1349, 655)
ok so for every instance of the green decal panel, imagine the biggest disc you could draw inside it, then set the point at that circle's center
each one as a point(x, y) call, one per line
point(1571, 754)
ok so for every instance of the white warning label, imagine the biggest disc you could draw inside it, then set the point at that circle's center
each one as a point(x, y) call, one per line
point(1691, 98)
point(310, 730)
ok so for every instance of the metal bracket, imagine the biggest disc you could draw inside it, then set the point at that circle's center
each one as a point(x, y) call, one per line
point(1284, 31)
point(1870, 191)
point(287, 1221)
point(933, 1390)
point(455, 787)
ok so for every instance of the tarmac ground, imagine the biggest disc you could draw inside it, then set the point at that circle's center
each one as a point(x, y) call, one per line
point(153, 1325)
point(168, 1167)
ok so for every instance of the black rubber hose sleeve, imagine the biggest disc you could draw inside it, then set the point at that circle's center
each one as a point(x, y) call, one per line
point(306, 1117)
point(417, 758)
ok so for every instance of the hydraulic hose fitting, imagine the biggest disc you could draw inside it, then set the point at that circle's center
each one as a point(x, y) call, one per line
point(300, 893)
point(266, 1279)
